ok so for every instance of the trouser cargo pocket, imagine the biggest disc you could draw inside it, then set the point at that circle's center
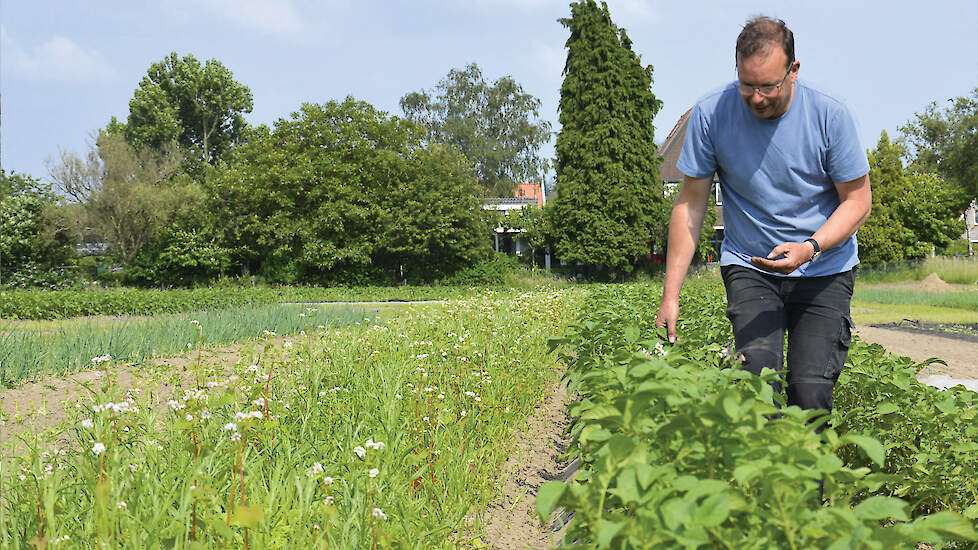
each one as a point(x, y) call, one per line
point(843, 342)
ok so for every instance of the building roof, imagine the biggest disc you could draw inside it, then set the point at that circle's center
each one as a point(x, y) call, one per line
point(669, 151)
point(531, 191)
point(671, 148)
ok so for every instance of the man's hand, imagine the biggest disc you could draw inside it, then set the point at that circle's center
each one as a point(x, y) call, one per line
point(667, 317)
point(785, 258)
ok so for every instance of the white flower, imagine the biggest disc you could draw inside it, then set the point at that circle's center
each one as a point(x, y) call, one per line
point(98, 448)
point(317, 468)
point(236, 436)
point(87, 423)
point(463, 413)
point(205, 414)
point(121, 504)
point(287, 345)
point(360, 451)
point(378, 513)
point(230, 427)
point(101, 359)
point(373, 472)
point(190, 418)
point(329, 500)
point(328, 480)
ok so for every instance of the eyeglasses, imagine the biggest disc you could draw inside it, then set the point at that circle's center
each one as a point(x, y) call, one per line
point(763, 90)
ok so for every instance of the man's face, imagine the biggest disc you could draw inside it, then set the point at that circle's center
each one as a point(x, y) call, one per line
point(767, 69)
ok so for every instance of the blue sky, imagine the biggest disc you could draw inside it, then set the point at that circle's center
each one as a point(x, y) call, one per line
point(67, 66)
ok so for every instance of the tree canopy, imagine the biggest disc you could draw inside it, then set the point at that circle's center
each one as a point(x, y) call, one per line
point(607, 170)
point(120, 194)
point(496, 126)
point(945, 141)
point(201, 107)
point(342, 192)
point(914, 212)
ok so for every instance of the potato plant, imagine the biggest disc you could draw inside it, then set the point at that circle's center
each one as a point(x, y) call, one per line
point(680, 448)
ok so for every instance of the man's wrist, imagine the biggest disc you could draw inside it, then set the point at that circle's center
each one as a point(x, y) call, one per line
point(816, 249)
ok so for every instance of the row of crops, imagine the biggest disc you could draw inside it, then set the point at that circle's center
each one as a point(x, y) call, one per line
point(65, 304)
point(372, 435)
point(681, 449)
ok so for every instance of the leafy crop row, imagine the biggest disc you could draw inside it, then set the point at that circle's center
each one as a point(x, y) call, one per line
point(63, 304)
point(680, 448)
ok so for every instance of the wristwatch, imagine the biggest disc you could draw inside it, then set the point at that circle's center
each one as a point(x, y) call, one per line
point(818, 249)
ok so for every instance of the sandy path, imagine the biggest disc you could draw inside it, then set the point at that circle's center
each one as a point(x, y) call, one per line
point(511, 521)
point(961, 356)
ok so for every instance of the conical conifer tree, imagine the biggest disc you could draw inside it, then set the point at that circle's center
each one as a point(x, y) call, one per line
point(607, 170)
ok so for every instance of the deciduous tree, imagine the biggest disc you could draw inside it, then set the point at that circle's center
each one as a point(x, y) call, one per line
point(945, 141)
point(123, 195)
point(913, 213)
point(496, 126)
point(201, 107)
point(341, 192)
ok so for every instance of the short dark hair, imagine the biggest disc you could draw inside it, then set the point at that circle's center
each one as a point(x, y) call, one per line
point(760, 33)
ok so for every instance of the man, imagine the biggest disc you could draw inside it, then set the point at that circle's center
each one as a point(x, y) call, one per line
point(795, 186)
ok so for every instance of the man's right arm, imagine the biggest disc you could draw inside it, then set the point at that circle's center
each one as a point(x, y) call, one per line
point(685, 226)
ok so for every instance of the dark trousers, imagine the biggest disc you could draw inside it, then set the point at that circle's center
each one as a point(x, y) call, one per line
point(814, 311)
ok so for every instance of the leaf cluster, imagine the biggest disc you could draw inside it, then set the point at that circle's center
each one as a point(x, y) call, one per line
point(342, 192)
point(681, 448)
point(496, 126)
point(914, 212)
point(945, 141)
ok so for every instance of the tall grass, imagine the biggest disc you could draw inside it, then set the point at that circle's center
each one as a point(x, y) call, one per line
point(951, 270)
point(28, 353)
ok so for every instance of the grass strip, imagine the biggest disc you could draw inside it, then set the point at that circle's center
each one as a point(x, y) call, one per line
point(965, 300)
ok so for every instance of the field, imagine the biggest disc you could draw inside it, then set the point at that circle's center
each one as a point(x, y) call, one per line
point(307, 426)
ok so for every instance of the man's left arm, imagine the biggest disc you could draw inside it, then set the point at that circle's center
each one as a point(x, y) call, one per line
point(855, 202)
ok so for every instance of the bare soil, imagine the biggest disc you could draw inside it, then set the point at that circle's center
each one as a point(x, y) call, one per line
point(960, 354)
point(512, 522)
point(41, 405)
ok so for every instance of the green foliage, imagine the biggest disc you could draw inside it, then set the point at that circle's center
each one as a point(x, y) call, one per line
point(121, 195)
point(64, 304)
point(201, 107)
point(679, 447)
point(496, 269)
point(289, 461)
point(660, 229)
point(180, 257)
point(33, 247)
point(913, 212)
point(496, 127)
point(342, 192)
point(607, 170)
point(945, 142)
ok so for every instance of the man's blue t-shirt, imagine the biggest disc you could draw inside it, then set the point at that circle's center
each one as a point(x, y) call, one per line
point(777, 177)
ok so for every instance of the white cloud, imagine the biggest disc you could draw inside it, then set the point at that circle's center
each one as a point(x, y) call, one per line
point(59, 58)
point(268, 16)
